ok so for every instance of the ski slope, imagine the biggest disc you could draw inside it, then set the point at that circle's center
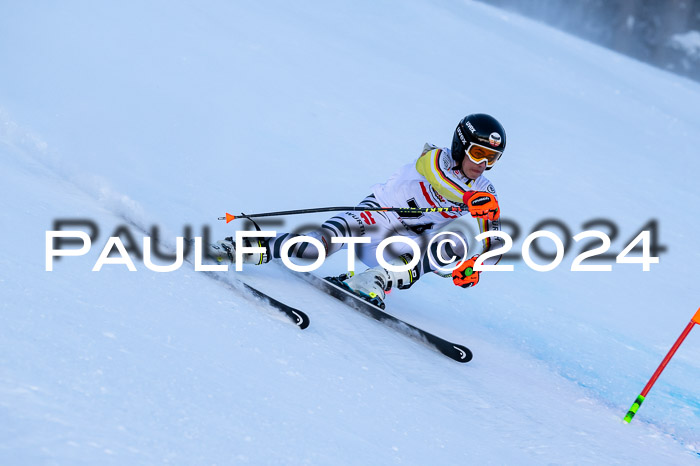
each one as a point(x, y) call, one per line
point(172, 114)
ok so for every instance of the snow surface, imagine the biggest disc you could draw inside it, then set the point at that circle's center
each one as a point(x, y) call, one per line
point(171, 114)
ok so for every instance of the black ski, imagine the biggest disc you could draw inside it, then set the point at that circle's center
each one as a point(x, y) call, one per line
point(299, 318)
point(459, 353)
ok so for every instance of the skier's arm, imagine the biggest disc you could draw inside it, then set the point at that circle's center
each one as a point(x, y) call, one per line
point(464, 274)
point(491, 242)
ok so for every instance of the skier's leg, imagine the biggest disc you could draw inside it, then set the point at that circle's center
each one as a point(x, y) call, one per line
point(376, 281)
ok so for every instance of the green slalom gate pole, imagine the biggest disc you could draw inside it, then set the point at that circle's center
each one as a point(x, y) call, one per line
point(642, 396)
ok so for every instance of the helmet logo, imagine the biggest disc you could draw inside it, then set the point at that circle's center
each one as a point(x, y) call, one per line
point(470, 126)
point(495, 139)
point(461, 136)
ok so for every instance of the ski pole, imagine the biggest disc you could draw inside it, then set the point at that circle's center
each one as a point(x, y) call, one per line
point(404, 210)
point(642, 396)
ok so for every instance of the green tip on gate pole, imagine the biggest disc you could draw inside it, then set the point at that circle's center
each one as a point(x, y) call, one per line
point(633, 410)
point(640, 399)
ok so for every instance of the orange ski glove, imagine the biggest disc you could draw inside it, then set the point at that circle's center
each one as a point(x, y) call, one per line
point(482, 205)
point(465, 275)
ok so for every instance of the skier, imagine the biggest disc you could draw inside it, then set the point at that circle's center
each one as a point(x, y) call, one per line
point(440, 177)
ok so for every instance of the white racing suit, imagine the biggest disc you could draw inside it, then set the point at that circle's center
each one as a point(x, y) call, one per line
point(430, 181)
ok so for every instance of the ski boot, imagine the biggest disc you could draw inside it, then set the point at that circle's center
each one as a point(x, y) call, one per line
point(373, 284)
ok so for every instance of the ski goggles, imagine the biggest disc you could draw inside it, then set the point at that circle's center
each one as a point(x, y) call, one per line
point(478, 153)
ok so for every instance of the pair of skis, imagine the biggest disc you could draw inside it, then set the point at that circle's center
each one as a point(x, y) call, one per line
point(457, 352)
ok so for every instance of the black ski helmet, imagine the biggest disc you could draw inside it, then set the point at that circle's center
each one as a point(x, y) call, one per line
point(477, 128)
